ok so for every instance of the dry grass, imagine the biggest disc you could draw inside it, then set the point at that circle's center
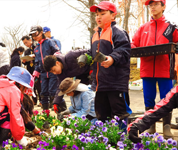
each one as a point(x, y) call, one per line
point(134, 72)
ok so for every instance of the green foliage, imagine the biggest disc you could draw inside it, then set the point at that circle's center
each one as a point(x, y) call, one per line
point(89, 59)
point(78, 125)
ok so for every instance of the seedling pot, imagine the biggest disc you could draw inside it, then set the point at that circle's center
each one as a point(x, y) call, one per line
point(82, 60)
point(99, 57)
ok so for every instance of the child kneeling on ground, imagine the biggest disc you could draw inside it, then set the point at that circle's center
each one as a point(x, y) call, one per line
point(12, 88)
point(82, 98)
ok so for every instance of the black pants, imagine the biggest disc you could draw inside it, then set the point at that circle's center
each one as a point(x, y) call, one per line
point(5, 134)
point(37, 90)
point(89, 117)
point(110, 103)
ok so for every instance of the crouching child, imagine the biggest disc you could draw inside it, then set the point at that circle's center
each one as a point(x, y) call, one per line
point(82, 99)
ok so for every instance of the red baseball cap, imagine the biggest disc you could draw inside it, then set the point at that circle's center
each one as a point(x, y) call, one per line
point(104, 5)
point(148, 1)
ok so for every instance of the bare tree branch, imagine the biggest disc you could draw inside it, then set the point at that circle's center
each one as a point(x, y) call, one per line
point(74, 7)
point(13, 36)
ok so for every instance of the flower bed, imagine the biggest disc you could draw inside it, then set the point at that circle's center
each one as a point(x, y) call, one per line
point(79, 134)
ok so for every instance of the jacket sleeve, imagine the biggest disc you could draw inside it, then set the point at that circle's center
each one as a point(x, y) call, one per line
point(160, 110)
point(37, 68)
point(58, 99)
point(16, 121)
point(58, 44)
point(53, 46)
point(86, 105)
point(71, 109)
point(175, 34)
point(136, 39)
point(74, 54)
point(121, 47)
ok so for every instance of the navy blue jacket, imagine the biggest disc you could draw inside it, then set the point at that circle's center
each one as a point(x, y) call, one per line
point(71, 69)
point(114, 42)
point(47, 47)
point(57, 42)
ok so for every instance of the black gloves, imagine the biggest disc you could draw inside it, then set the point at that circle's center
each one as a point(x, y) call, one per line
point(133, 134)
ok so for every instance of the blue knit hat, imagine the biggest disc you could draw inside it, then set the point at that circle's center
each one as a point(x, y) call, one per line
point(20, 75)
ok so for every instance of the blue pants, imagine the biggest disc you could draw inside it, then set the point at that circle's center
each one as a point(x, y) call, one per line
point(149, 89)
point(48, 86)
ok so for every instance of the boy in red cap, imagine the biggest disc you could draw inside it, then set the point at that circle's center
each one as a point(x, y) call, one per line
point(110, 77)
point(158, 68)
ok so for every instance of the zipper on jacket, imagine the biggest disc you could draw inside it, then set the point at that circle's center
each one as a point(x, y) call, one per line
point(154, 56)
point(47, 75)
point(42, 58)
point(98, 46)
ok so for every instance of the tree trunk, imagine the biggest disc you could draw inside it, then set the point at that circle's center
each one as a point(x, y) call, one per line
point(92, 18)
point(126, 18)
point(147, 13)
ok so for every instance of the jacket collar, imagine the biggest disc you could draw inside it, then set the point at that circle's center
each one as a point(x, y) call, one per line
point(41, 41)
point(62, 58)
point(160, 19)
point(105, 26)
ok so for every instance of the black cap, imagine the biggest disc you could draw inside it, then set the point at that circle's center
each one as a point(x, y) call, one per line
point(34, 29)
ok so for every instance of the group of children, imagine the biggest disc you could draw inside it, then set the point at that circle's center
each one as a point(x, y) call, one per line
point(109, 78)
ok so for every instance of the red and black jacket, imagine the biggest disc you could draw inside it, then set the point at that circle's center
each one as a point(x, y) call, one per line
point(160, 110)
point(155, 32)
point(114, 42)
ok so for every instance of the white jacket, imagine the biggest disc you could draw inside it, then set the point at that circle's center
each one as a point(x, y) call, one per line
point(4, 56)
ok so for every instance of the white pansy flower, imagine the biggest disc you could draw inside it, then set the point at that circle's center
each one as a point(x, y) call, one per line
point(59, 128)
point(69, 132)
point(7, 146)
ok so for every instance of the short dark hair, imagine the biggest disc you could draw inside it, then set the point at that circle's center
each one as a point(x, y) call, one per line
point(98, 9)
point(162, 4)
point(49, 62)
point(4, 70)
point(25, 37)
point(20, 49)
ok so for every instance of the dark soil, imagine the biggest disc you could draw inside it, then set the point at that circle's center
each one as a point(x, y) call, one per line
point(37, 139)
